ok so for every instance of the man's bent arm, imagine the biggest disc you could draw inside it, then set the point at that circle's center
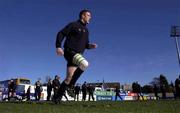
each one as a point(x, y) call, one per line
point(63, 33)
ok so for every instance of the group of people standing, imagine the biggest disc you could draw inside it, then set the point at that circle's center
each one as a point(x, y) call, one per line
point(86, 89)
point(75, 91)
point(54, 85)
point(162, 89)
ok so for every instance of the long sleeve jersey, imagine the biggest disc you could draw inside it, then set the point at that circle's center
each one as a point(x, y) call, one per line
point(76, 34)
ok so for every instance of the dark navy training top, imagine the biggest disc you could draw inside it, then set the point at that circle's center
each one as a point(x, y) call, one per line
point(76, 37)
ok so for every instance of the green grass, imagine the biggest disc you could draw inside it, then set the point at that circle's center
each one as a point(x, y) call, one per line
point(162, 106)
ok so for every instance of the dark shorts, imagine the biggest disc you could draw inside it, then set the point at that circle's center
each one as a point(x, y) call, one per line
point(68, 55)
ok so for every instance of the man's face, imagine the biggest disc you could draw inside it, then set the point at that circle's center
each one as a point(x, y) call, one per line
point(86, 17)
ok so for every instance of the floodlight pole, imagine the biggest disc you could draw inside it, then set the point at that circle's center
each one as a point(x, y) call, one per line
point(177, 48)
point(175, 33)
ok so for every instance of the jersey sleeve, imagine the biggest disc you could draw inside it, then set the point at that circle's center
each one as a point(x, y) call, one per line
point(62, 34)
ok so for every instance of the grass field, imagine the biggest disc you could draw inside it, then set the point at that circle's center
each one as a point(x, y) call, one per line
point(162, 106)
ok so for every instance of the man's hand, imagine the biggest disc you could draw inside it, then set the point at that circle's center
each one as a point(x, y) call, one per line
point(59, 51)
point(93, 46)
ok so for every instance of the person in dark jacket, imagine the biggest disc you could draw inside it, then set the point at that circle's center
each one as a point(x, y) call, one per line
point(84, 91)
point(91, 92)
point(11, 89)
point(77, 91)
point(28, 93)
point(77, 40)
point(117, 91)
point(56, 86)
point(49, 89)
point(38, 90)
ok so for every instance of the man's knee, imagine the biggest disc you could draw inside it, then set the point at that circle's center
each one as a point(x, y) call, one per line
point(84, 65)
point(80, 61)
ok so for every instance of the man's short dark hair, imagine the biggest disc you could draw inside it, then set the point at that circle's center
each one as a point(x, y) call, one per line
point(56, 76)
point(82, 12)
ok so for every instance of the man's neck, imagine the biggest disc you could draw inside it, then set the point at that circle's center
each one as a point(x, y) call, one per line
point(82, 21)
